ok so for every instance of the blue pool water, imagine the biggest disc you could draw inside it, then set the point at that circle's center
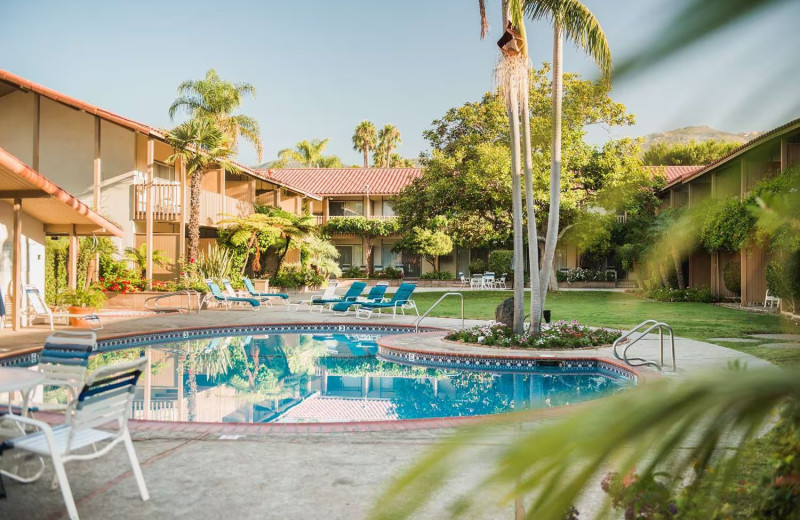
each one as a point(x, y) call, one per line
point(333, 376)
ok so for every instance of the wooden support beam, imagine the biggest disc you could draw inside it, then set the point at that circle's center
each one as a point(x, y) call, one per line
point(72, 264)
point(325, 209)
point(23, 194)
point(784, 155)
point(184, 198)
point(16, 266)
point(98, 174)
point(149, 210)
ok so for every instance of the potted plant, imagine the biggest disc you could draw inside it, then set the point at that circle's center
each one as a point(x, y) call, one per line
point(83, 301)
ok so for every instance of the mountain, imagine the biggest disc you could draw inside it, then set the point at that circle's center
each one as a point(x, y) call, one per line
point(695, 133)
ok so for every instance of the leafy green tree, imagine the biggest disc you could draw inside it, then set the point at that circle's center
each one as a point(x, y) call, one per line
point(254, 232)
point(138, 255)
point(322, 256)
point(429, 242)
point(388, 139)
point(365, 139)
point(201, 146)
point(396, 161)
point(692, 153)
point(309, 154)
point(294, 231)
point(366, 229)
point(215, 100)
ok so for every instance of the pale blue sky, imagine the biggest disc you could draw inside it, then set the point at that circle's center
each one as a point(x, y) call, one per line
point(322, 66)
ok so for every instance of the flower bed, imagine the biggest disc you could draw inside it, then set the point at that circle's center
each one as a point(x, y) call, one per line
point(560, 335)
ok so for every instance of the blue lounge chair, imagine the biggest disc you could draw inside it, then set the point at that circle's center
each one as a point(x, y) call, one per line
point(375, 295)
point(352, 293)
point(227, 301)
point(401, 300)
point(261, 295)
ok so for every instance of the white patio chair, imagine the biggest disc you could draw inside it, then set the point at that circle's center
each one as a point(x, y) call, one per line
point(329, 293)
point(488, 280)
point(64, 361)
point(462, 280)
point(233, 293)
point(107, 397)
point(476, 281)
point(37, 308)
point(771, 300)
point(500, 283)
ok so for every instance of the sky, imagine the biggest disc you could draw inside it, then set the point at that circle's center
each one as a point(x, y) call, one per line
point(321, 66)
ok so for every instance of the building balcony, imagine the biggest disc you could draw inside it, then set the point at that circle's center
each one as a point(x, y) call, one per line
point(320, 219)
point(167, 205)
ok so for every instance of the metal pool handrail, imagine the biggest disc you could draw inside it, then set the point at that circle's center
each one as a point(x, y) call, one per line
point(636, 361)
point(191, 295)
point(445, 295)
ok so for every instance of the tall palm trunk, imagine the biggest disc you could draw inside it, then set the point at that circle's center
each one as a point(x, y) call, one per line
point(366, 157)
point(533, 239)
point(516, 194)
point(555, 165)
point(195, 188)
point(676, 259)
point(283, 255)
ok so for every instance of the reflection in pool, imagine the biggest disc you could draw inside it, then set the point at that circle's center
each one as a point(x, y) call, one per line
point(301, 377)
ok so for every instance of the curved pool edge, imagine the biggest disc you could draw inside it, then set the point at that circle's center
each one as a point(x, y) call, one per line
point(128, 340)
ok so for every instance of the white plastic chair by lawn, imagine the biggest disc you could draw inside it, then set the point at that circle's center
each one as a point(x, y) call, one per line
point(328, 294)
point(500, 283)
point(37, 308)
point(106, 397)
point(476, 281)
point(462, 280)
point(770, 300)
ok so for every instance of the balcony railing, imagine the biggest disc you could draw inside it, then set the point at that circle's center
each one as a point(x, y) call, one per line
point(320, 220)
point(167, 205)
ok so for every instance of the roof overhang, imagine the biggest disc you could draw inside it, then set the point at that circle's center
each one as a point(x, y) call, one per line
point(46, 202)
point(266, 178)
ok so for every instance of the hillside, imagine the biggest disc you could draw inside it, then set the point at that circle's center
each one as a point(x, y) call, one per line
point(695, 133)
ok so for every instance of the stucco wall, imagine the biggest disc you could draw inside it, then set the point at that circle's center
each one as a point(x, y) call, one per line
point(117, 165)
point(32, 249)
point(16, 125)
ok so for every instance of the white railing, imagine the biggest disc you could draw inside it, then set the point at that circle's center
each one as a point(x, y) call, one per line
point(166, 202)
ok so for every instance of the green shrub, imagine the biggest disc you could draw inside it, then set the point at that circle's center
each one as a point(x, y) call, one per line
point(580, 274)
point(732, 276)
point(667, 294)
point(560, 335)
point(90, 298)
point(293, 277)
point(727, 225)
point(389, 273)
point(500, 261)
point(477, 265)
point(437, 275)
point(354, 272)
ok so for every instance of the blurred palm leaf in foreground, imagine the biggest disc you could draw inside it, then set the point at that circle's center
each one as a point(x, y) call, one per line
point(675, 426)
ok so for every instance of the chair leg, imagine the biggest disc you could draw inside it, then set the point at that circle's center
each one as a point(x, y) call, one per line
point(137, 470)
point(63, 483)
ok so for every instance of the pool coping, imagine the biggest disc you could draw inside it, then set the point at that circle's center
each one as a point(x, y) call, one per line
point(140, 425)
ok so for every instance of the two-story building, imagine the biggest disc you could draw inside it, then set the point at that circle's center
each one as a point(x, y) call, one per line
point(111, 163)
point(733, 175)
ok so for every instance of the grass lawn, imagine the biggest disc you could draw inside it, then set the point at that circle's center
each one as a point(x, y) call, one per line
point(699, 321)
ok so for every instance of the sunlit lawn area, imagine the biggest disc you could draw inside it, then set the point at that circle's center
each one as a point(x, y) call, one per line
point(699, 321)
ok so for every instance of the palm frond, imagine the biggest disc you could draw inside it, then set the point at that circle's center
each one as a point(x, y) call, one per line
point(664, 425)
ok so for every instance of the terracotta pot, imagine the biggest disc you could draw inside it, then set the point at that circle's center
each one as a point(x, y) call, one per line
point(75, 321)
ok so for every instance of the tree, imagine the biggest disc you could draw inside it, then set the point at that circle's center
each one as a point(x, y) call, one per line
point(691, 153)
point(364, 139)
point(200, 146)
point(395, 161)
point(254, 232)
point(295, 230)
point(309, 154)
point(573, 19)
point(138, 255)
point(366, 229)
point(322, 256)
point(388, 139)
point(215, 100)
point(429, 242)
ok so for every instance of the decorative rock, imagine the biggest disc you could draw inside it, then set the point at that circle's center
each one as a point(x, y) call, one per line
point(504, 313)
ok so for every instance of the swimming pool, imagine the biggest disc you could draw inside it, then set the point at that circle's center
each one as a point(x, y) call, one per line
point(325, 374)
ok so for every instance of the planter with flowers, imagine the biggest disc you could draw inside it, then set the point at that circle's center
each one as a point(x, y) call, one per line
point(561, 335)
point(83, 301)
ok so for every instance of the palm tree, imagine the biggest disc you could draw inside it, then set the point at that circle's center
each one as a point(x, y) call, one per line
point(364, 139)
point(308, 153)
point(138, 255)
point(247, 231)
point(201, 146)
point(388, 139)
point(297, 228)
point(215, 99)
point(574, 19)
point(321, 255)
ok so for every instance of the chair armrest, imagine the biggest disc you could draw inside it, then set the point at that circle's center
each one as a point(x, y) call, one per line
point(30, 421)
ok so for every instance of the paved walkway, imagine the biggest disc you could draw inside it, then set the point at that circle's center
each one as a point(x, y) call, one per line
point(199, 475)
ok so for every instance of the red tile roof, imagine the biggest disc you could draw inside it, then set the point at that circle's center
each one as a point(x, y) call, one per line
point(337, 409)
point(675, 173)
point(346, 181)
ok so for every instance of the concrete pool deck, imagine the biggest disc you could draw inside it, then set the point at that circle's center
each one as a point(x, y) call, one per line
point(197, 473)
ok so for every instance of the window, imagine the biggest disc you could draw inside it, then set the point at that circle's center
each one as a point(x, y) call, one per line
point(346, 208)
point(163, 173)
point(350, 256)
point(388, 210)
point(389, 259)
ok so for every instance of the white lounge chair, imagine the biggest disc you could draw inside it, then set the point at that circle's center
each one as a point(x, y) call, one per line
point(328, 294)
point(105, 399)
point(37, 308)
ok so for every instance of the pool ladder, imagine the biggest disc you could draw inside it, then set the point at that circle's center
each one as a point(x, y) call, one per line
point(151, 304)
point(445, 295)
point(643, 329)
